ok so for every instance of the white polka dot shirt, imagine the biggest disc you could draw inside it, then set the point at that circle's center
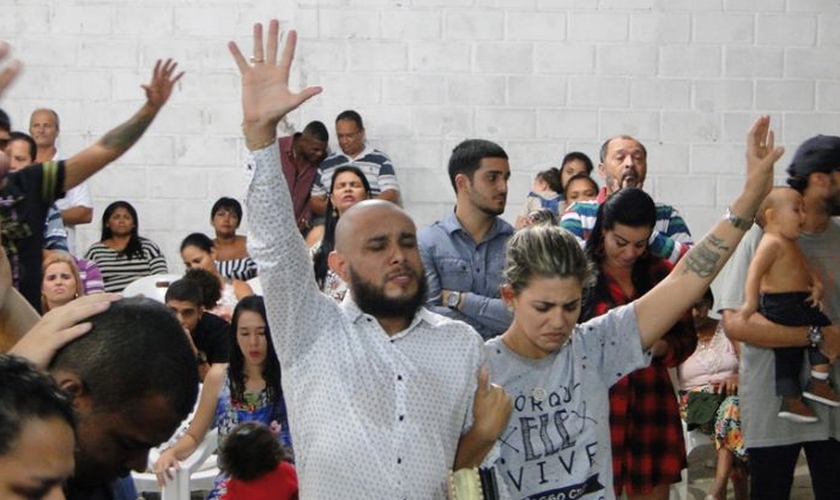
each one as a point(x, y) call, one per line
point(372, 416)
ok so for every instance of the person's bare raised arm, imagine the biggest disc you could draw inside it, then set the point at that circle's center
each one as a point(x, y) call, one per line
point(660, 308)
point(391, 195)
point(8, 74)
point(119, 140)
point(318, 205)
point(77, 215)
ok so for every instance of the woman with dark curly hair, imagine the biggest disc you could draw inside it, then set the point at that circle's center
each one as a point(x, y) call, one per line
point(244, 390)
point(121, 253)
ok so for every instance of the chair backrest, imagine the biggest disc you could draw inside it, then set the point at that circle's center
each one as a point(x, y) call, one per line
point(153, 287)
point(196, 473)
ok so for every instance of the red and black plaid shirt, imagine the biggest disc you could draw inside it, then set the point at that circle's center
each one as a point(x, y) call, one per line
point(645, 428)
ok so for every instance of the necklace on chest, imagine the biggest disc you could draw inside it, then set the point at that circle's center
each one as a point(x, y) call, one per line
point(709, 352)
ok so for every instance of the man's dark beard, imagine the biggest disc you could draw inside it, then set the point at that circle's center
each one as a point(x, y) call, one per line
point(492, 211)
point(372, 300)
point(833, 205)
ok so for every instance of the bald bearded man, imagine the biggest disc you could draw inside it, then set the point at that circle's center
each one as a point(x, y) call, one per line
point(379, 390)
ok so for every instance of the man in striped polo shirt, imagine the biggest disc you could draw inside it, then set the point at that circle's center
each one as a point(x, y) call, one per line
point(376, 166)
point(624, 164)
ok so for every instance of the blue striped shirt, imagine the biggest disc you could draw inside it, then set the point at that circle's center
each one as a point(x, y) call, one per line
point(376, 166)
point(55, 234)
point(670, 239)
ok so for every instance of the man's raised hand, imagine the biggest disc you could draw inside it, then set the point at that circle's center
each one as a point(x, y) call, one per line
point(9, 72)
point(266, 97)
point(762, 153)
point(160, 88)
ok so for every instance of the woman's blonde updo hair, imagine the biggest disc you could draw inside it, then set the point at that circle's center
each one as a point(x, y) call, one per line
point(548, 252)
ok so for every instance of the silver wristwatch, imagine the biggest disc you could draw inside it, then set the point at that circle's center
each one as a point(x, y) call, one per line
point(815, 336)
point(739, 222)
point(452, 300)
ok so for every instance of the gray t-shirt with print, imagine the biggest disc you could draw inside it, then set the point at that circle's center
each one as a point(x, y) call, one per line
point(557, 442)
point(759, 404)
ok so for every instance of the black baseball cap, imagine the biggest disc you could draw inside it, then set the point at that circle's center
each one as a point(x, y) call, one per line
point(820, 153)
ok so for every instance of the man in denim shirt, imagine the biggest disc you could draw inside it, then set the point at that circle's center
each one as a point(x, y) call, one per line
point(463, 254)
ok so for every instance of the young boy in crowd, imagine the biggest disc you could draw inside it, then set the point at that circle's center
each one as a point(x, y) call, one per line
point(784, 290)
point(208, 334)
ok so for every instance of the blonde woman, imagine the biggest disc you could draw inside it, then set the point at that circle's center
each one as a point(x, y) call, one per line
point(557, 372)
point(60, 282)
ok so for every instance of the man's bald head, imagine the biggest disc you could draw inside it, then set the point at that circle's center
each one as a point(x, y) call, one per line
point(366, 214)
point(376, 254)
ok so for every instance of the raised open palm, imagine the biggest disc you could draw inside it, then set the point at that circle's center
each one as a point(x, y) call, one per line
point(266, 97)
point(160, 88)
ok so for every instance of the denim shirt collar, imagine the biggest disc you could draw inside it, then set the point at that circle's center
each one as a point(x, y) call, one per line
point(451, 224)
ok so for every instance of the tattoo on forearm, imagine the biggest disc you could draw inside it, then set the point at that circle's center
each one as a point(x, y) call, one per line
point(704, 258)
point(124, 136)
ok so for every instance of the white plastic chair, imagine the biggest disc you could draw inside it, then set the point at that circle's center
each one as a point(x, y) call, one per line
point(153, 287)
point(255, 285)
point(694, 439)
point(197, 472)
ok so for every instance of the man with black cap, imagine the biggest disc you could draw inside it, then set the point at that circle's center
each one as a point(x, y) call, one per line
point(774, 444)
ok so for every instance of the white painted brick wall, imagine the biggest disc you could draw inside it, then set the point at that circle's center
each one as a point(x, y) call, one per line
point(723, 27)
point(542, 77)
point(547, 26)
point(564, 58)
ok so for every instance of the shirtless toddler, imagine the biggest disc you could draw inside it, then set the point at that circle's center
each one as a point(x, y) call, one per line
point(784, 290)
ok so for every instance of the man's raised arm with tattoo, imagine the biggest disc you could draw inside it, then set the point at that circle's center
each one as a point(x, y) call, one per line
point(119, 140)
point(27, 195)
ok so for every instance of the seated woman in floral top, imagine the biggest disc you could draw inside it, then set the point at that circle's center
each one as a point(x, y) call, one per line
point(247, 389)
